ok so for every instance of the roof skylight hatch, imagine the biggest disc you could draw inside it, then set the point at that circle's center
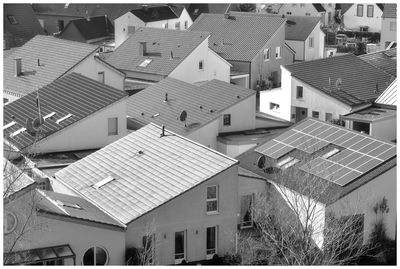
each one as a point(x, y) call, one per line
point(8, 125)
point(17, 132)
point(146, 62)
point(67, 204)
point(63, 118)
point(103, 182)
point(290, 163)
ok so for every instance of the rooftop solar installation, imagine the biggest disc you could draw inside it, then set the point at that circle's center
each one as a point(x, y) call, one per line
point(361, 152)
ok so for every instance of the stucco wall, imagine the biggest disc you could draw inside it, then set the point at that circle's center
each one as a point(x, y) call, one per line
point(121, 27)
point(206, 135)
point(298, 47)
point(352, 21)
point(317, 51)
point(386, 34)
point(243, 116)
point(218, 68)
point(233, 150)
point(188, 212)
point(384, 129)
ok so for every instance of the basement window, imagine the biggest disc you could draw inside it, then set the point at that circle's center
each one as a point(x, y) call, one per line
point(63, 118)
point(145, 62)
point(103, 182)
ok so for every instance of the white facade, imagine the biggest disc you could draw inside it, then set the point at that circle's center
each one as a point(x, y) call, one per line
point(383, 129)
point(206, 135)
point(353, 21)
point(297, 9)
point(388, 32)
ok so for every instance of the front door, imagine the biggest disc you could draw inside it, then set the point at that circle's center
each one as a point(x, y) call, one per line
point(301, 113)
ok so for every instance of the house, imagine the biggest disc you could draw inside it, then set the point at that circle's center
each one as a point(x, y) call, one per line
point(255, 55)
point(152, 54)
point(156, 16)
point(385, 60)
point(304, 35)
point(20, 25)
point(336, 171)
point(325, 88)
point(196, 9)
point(43, 59)
point(71, 113)
point(389, 25)
point(92, 30)
point(363, 17)
point(198, 112)
point(176, 198)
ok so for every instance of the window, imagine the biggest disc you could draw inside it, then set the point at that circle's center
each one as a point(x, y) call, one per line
point(274, 106)
point(145, 62)
point(328, 116)
point(165, 25)
point(294, 5)
point(302, 5)
point(212, 199)
point(227, 119)
point(95, 256)
point(246, 203)
point(315, 114)
point(299, 92)
point(267, 53)
point(186, 24)
point(179, 247)
point(112, 126)
point(370, 11)
point(10, 222)
point(360, 9)
point(311, 42)
point(148, 243)
point(100, 77)
point(278, 52)
point(12, 19)
point(211, 242)
point(60, 25)
point(178, 25)
point(392, 26)
point(363, 127)
point(201, 65)
point(308, 14)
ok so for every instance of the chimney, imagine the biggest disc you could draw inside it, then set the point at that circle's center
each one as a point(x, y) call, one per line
point(18, 66)
point(171, 55)
point(38, 62)
point(226, 15)
point(166, 97)
point(142, 48)
point(162, 131)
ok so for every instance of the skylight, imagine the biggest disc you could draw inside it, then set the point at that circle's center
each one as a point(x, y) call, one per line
point(66, 204)
point(63, 118)
point(49, 115)
point(289, 164)
point(17, 132)
point(284, 161)
point(145, 62)
point(330, 153)
point(103, 182)
point(8, 125)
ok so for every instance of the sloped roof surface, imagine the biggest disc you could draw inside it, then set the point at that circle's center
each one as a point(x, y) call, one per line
point(319, 7)
point(196, 9)
point(213, 95)
point(389, 11)
point(385, 60)
point(343, 7)
point(148, 171)
point(389, 96)
point(241, 36)
point(154, 13)
point(72, 94)
point(300, 27)
point(57, 56)
point(14, 179)
point(58, 203)
point(359, 79)
point(181, 43)
point(95, 27)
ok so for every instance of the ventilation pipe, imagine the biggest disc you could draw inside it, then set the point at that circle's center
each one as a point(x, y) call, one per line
point(18, 66)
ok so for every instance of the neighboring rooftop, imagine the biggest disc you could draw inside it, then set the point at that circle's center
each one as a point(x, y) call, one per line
point(319, 7)
point(55, 56)
point(389, 96)
point(386, 60)
point(300, 27)
point(389, 11)
point(346, 7)
point(203, 103)
point(14, 179)
point(334, 159)
point(127, 56)
point(90, 28)
point(142, 171)
point(62, 103)
point(195, 10)
point(360, 82)
point(148, 13)
point(371, 114)
point(240, 36)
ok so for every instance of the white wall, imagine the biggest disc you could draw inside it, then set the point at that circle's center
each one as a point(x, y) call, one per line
point(206, 135)
point(234, 149)
point(317, 51)
point(218, 68)
point(384, 129)
point(386, 34)
point(10, 96)
point(243, 116)
point(352, 21)
point(298, 47)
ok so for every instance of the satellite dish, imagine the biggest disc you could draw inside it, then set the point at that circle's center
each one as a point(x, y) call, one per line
point(261, 162)
point(183, 116)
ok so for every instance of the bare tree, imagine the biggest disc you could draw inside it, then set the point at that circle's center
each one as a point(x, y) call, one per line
point(145, 255)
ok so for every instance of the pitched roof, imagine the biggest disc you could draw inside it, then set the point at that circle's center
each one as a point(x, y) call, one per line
point(331, 136)
point(212, 95)
point(319, 7)
point(181, 43)
point(359, 79)
point(14, 179)
point(385, 60)
point(146, 170)
point(241, 36)
point(389, 11)
point(72, 94)
point(389, 96)
point(73, 207)
point(196, 9)
point(300, 27)
point(57, 56)
point(92, 28)
point(371, 114)
point(177, 8)
point(154, 13)
point(343, 7)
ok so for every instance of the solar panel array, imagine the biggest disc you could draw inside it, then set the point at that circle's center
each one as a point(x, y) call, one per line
point(361, 154)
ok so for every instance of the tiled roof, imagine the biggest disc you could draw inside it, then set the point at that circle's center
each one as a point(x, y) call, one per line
point(95, 27)
point(343, 7)
point(181, 43)
point(147, 171)
point(389, 11)
point(213, 95)
point(241, 36)
point(14, 179)
point(195, 10)
point(359, 79)
point(389, 96)
point(57, 56)
point(177, 9)
point(154, 13)
point(73, 207)
point(319, 7)
point(300, 27)
point(72, 94)
point(385, 60)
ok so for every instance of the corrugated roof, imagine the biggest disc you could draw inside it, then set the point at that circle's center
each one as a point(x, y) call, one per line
point(181, 43)
point(92, 28)
point(319, 7)
point(154, 13)
point(389, 11)
point(300, 27)
point(72, 94)
point(213, 95)
point(14, 179)
point(385, 60)
point(389, 96)
point(57, 56)
point(73, 207)
point(359, 79)
point(148, 171)
point(241, 36)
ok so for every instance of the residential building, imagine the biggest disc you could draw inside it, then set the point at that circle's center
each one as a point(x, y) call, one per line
point(304, 35)
point(339, 172)
point(389, 25)
point(196, 9)
point(176, 198)
point(71, 113)
point(323, 11)
point(385, 60)
point(325, 88)
point(198, 112)
point(152, 54)
point(156, 16)
point(364, 17)
point(20, 25)
point(253, 43)
point(43, 59)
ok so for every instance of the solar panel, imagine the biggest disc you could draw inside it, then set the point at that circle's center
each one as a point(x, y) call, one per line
point(319, 130)
point(274, 149)
point(347, 178)
point(379, 150)
point(338, 133)
point(340, 140)
point(265, 146)
point(388, 154)
point(312, 145)
point(327, 132)
point(304, 125)
point(329, 172)
point(352, 141)
point(370, 147)
point(338, 174)
point(372, 163)
point(312, 127)
point(280, 152)
point(358, 162)
point(286, 135)
point(293, 138)
point(362, 143)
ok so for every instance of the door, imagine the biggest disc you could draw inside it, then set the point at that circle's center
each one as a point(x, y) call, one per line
point(301, 113)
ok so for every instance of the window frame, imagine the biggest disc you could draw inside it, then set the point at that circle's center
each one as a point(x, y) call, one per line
point(12, 19)
point(5, 227)
point(179, 260)
point(210, 255)
point(326, 116)
point(227, 120)
point(314, 113)
point(278, 52)
point(186, 24)
point(201, 65)
point(108, 126)
point(299, 96)
point(214, 199)
point(242, 223)
point(267, 54)
point(372, 11)
point(94, 255)
point(360, 12)
point(311, 42)
point(391, 28)
point(177, 25)
point(274, 106)
point(103, 77)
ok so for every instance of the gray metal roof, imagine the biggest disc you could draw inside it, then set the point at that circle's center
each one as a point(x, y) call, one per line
point(300, 27)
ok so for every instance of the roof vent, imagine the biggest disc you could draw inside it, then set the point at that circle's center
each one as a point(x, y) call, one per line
point(18, 66)
point(166, 97)
point(238, 96)
point(183, 116)
point(162, 131)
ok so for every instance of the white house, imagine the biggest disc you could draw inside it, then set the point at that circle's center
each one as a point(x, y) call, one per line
point(156, 16)
point(75, 113)
point(365, 17)
point(176, 198)
point(389, 25)
point(323, 11)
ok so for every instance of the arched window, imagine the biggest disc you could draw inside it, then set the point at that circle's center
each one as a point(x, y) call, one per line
point(95, 256)
point(10, 222)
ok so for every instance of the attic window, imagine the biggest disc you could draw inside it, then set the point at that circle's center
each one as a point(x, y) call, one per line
point(330, 153)
point(63, 118)
point(103, 182)
point(284, 161)
point(145, 62)
point(17, 132)
point(8, 125)
point(290, 163)
point(66, 204)
point(49, 115)
point(12, 19)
